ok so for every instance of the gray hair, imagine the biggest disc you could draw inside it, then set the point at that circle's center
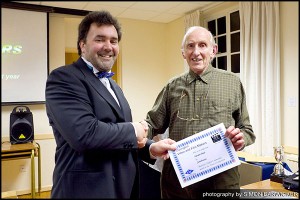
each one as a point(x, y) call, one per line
point(192, 29)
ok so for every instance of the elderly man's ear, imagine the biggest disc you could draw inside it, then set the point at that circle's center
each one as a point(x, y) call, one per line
point(214, 51)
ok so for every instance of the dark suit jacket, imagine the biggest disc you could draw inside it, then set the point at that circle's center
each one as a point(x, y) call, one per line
point(96, 154)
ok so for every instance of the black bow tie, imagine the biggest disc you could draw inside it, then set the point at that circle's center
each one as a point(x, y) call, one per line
point(105, 74)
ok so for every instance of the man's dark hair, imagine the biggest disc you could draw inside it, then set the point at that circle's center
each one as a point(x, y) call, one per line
point(100, 18)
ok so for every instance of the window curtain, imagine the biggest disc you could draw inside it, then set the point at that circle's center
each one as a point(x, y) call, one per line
point(260, 72)
point(191, 19)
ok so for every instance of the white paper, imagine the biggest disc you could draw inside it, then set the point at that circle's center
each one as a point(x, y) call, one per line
point(203, 155)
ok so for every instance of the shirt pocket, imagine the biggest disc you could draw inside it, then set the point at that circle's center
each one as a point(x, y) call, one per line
point(220, 111)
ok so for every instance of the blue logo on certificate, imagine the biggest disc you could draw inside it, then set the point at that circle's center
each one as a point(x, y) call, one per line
point(189, 171)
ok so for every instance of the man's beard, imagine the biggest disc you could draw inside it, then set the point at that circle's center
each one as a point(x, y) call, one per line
point(104, 66)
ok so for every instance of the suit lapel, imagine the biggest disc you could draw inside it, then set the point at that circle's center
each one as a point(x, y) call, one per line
point(100, 88)
point(122, 100)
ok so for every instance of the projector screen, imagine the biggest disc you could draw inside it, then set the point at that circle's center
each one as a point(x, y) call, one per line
point(24, 65)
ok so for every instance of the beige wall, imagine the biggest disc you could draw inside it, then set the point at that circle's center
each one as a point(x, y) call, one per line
point(289, 26)
point(143, 63)
point(150, 55)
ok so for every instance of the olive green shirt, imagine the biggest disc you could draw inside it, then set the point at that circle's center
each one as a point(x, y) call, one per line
point(191, 103)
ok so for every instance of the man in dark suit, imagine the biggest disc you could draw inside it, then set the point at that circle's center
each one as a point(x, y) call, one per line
point(98, 145)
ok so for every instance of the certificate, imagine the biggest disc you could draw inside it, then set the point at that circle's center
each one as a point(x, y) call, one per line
point(203, 155)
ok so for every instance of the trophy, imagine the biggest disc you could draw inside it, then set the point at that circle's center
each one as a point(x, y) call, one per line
point(278, 171)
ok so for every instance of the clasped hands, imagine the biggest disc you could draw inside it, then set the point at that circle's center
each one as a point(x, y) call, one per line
point(157, 149)
point(141, 129)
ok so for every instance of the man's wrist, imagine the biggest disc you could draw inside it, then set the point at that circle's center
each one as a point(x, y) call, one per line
point(151, 155)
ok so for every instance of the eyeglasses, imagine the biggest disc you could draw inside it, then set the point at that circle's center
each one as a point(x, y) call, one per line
point(183, 94)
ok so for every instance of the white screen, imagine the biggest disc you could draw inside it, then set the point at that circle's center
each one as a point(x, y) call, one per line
point(24, 56)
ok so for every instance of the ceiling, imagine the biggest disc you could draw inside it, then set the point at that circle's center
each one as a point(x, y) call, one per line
point(162, 11)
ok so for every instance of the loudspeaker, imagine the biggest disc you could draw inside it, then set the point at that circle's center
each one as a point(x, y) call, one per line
point(21, 125)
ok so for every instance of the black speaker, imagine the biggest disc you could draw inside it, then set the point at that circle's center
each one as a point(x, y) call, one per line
point(21, 125)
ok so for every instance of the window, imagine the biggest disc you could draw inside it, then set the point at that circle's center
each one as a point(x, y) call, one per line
point(226, 31)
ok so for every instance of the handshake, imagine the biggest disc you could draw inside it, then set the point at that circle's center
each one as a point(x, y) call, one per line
point(157, 149)
point(141, 131)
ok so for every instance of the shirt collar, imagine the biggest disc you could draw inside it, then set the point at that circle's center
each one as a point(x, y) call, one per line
point(91, 67)
point(205, 76)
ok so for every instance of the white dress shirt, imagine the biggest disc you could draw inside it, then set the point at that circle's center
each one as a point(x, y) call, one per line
point(105, 81)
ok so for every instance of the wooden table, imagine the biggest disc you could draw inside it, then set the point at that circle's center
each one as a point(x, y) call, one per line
point(270, 188)
point(24, 151)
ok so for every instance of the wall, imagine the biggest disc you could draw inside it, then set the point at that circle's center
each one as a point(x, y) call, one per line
point(289, 75)
point(150, 56)
point(174, 58)
point(289, 22)
point(143, 63)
